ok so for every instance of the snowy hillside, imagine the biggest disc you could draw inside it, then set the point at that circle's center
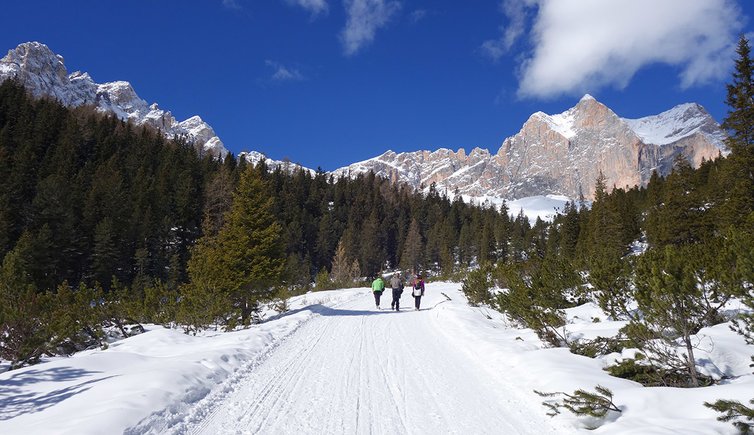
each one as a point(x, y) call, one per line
point(254, 158)
point(677, 123)
point(335, 364)
point(542, 207)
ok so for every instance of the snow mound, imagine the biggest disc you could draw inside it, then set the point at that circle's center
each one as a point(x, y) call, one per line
point(675, 124)
point(542, 207)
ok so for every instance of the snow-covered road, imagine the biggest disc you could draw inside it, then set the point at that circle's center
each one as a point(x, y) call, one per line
point(355, 370)
point(335, 365)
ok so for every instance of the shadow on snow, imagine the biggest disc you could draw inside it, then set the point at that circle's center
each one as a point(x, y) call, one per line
point(15, 401)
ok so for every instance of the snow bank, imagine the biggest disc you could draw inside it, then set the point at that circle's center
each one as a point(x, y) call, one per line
point(153, 380)
point(543, 207)
point(107, 391)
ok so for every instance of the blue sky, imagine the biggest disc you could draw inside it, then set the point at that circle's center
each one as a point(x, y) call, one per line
point(330, 82)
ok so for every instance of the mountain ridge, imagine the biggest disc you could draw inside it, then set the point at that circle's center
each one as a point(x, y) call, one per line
point(559, 154)
point(44, 73)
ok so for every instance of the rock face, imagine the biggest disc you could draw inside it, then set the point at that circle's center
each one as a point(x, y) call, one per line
point(562, 154)
point(43, 73)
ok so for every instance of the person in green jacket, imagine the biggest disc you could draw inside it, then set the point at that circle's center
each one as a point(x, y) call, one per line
point(378, 286)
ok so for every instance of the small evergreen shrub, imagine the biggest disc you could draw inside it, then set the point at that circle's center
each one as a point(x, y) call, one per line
point(653, 376)
point(477, 286)
point(581, 402)
point(597, 347)
point(740, 415)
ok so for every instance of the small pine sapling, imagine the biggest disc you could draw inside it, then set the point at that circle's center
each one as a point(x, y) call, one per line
point(581, 402)
point(740, 415)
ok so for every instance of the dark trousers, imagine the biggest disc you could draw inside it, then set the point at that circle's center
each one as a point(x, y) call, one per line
point(417, 301)
point(396, 299)
point(377, 298)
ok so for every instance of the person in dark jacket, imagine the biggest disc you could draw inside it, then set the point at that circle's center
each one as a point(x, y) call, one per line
point(418, 291)
point(396, 283)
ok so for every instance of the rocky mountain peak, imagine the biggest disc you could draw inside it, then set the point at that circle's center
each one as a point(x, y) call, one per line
point(36, 58)
point(44, 74)
point(562, 154)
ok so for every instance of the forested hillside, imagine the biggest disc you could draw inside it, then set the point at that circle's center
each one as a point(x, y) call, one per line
point(93, 209)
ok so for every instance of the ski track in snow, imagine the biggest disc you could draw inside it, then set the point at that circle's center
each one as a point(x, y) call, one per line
point(354, 370)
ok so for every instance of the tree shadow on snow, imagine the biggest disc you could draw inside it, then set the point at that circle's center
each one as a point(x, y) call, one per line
point(16, 401)
point(329, 311)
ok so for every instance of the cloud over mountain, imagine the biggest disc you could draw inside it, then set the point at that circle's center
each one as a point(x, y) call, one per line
point(583, 45)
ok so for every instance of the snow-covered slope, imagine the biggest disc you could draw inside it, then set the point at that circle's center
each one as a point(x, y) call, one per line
point(255, 157)
point(335, 364)
point(534, 207)
point(677, 123)
point(43, 73)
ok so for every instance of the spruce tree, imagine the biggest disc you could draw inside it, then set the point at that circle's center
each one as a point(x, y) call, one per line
point(411, 258)
point(737, 208)
point(740, 99)
point(245, 260)
point(371, 245)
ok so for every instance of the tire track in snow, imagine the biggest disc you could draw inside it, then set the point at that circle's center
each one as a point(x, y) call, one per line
point(352, 370)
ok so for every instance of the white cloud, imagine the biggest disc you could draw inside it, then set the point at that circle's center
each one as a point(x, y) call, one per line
point(582, 45)
point(316, 7)
point(281, 73)
point(364, 17)
point(515, 11)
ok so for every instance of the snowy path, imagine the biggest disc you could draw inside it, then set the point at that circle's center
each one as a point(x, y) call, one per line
point(334, 365)
point(356, 370)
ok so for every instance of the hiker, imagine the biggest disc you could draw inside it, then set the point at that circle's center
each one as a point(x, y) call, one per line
point(378, 286)
point(418, 291)
point(396, 283)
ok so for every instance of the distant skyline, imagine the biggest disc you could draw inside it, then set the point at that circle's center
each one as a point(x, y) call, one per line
point(326, 83)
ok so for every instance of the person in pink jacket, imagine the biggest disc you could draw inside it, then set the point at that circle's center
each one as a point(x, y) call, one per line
point(418, 291)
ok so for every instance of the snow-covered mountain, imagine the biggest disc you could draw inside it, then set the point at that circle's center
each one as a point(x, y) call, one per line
point(558, 154)
point(43, 73)
point(561, 154)
point(254, 157)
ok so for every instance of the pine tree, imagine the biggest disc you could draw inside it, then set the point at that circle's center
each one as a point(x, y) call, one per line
point(219, 197)
point(737, 208)
point(245, 260)
point(679, 219)
point(411, 258)
point(371, 246)
point(105, 254)
point(24, 319)
point(740, 100)
point(343, 273)
point(677, 299)
point(569, 231)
